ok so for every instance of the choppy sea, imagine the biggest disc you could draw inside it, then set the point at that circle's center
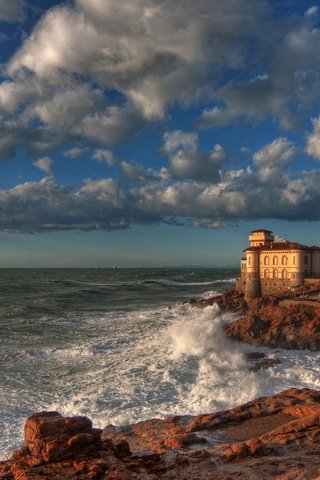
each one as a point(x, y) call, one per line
point(119, 345)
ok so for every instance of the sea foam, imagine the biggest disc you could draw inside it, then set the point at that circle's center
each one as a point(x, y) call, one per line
point(121, 367)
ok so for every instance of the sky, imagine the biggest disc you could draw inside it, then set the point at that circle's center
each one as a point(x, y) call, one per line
point(156, 133)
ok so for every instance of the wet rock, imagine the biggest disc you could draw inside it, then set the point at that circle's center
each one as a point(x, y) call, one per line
point(262, 439)
point(49, 437)
point(268, 323)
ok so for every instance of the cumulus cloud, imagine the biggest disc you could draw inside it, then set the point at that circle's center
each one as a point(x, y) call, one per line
point(187, 162)
point(151, 54)
point(138, 173)
point(45, 164)
point(313, 140)
point(101, 155)
point(217, 117)
point(271, 158)
point(12, 10)
point(290, 78)
point(74, 152)
point(108, 204)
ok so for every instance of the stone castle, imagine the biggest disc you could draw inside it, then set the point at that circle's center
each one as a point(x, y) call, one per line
point(271, 267)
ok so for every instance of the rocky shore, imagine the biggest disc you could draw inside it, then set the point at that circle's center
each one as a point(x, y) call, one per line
point(268, 438)
point(272, 321)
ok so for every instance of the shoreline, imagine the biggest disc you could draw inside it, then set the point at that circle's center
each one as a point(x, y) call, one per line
point(272, 321)
point(235, 449)
point(270, 437)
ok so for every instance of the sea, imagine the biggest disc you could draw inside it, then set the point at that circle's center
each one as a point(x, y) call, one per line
point(123, 345)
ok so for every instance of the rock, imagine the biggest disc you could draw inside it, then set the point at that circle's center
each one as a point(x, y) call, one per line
point(49, 437)
point(277, 326)
point(270, 321)
point(267, 438)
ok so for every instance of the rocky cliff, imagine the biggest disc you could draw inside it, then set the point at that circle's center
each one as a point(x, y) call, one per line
point(268, 438)
point(266, 322)
point(271, 321)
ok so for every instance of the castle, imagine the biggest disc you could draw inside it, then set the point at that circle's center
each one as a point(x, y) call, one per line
point(271, 268)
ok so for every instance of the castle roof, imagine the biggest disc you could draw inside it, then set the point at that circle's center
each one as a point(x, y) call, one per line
point(261, 230)
point(281, 246)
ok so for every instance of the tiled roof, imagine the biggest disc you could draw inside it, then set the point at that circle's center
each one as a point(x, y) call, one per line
point(282, 246)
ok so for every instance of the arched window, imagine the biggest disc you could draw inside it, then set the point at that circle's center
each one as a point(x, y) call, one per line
point(284, 273)
point(266, 273)
point(284, 260)
point(275, 273)
point(275, 260)
point(266, 260)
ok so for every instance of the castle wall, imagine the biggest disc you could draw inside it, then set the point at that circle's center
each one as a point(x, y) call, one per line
point(315, 264)
point(274, 286)
point(267, 270)
point(252, 288)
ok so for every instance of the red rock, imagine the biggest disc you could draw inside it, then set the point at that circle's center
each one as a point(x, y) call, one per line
point(268, 323)
point(181, 441)
point(268, 438)
point(50, 438)
point(235, 451)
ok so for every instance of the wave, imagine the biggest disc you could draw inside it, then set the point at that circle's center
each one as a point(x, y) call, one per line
point(121, 367)
point(175, 283)
point(226, 280)
point(90, 284)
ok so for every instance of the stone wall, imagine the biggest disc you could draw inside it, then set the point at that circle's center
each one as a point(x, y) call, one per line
point(274, 286)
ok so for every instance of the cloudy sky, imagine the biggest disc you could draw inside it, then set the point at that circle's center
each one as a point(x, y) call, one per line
point(156, 132)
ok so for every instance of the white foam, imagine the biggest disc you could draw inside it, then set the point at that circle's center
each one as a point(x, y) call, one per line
point(175, 283)
point(122, 367)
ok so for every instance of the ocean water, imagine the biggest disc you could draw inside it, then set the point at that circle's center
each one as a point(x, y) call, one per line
point(119, 345)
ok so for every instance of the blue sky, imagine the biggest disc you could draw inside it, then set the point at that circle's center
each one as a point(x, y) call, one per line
point(153, 133)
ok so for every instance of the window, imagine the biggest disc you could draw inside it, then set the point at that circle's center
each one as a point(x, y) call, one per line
point(275, 260)
point(284, 260)
point(284, 273)
point(306, 260)
point(266, 273)
point(275, 273)
point(294, 260)
point(266, 260)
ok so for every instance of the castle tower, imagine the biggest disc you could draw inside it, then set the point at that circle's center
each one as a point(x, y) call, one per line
point(259, 238)
point(252, 287)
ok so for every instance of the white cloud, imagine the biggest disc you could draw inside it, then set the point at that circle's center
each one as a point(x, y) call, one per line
point(12, 10)
point(216, 117)
point(103, 156)
point(74, 152)
point(154, 53)
point(109, 126)
point(107, 204)
point(271, 158)
point(312, 10)
point(313, 140)
point(138, 173)
point(45, 164)
point(186, 162)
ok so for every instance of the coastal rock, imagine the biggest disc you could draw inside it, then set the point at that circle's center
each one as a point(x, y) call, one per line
point(49, 437)
point(284, 325)
point(268, 438)
point(271, 321)
point(230, 300)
